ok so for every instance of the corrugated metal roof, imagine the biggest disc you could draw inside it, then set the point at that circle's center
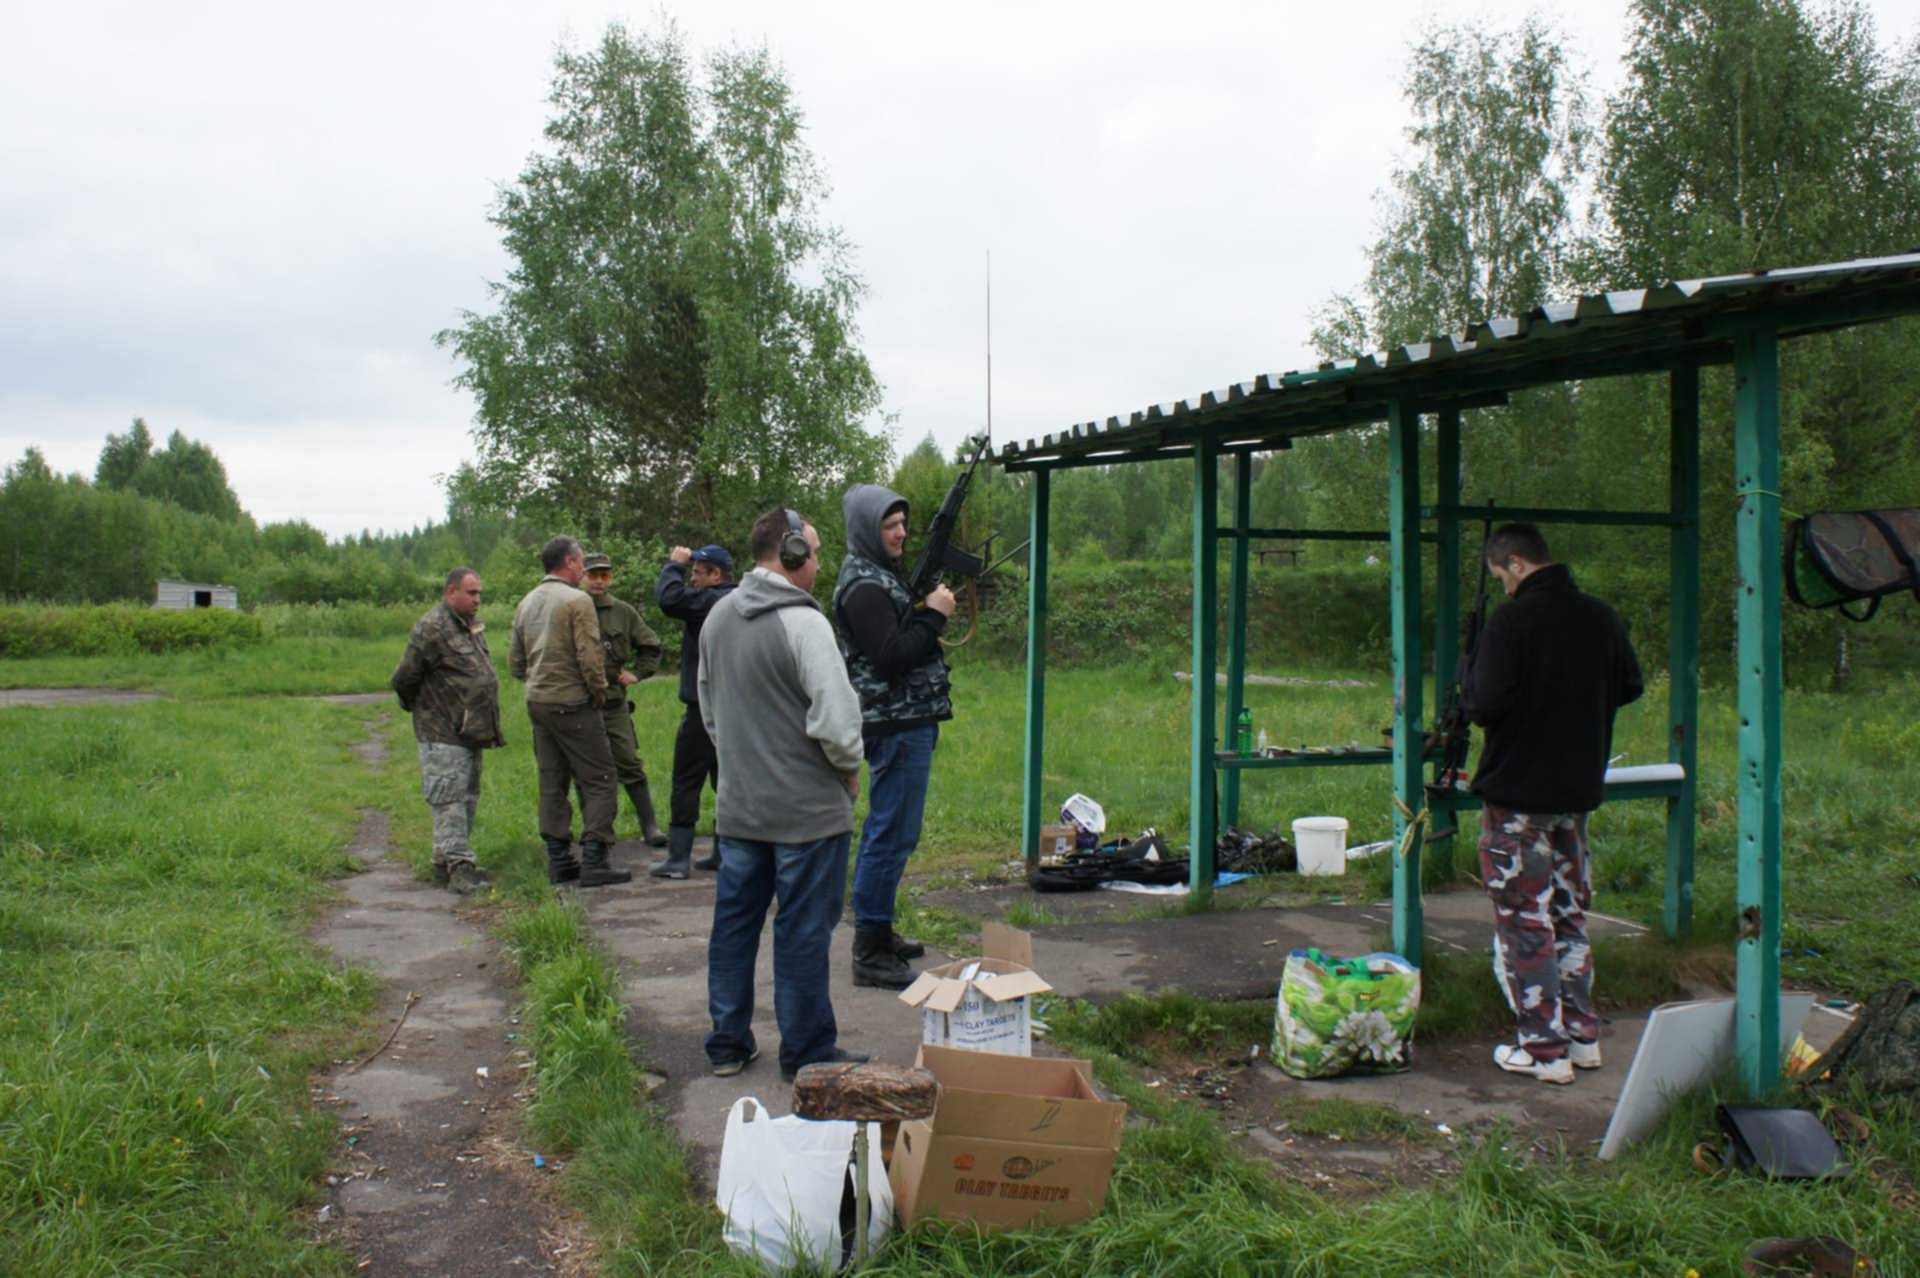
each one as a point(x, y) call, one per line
point(1602, 334)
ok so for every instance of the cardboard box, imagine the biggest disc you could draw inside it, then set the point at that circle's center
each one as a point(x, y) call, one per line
point(1057, 840)
point(1012, 1142)
point(981, 1004)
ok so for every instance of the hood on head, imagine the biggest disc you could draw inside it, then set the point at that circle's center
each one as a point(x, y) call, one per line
point(866, 507)
point(763, 590)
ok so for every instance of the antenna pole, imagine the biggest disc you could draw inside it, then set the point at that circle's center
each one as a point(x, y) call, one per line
point(989, 350)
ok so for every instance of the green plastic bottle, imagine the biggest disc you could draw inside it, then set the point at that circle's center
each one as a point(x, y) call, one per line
point(1243, 731)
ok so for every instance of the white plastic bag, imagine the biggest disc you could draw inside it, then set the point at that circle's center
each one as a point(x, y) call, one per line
point(1088, 819)
point(781, 1183)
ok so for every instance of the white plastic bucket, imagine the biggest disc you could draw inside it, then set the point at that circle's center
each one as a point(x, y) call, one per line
point(1321, 843)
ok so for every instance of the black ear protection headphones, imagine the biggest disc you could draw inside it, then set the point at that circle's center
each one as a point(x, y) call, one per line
point(794, 549)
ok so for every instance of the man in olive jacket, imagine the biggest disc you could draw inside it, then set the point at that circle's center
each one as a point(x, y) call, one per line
point(633, 654)
point(447, 682)
point(556, 651)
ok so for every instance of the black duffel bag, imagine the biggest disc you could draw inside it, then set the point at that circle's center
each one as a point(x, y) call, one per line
point(1835, 558)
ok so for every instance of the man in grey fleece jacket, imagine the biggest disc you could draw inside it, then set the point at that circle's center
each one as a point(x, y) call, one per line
point(785, 724)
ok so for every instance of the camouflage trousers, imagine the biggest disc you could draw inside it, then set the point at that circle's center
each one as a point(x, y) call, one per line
point(450, 780)
point(1536, 869)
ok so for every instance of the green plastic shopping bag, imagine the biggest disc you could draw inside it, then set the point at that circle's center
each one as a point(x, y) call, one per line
point(1342, 1016)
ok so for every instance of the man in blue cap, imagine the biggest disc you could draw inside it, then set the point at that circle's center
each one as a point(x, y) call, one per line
point(691, 583)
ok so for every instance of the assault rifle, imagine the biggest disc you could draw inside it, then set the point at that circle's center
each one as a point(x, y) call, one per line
point(941, 554)
point(1454, 732)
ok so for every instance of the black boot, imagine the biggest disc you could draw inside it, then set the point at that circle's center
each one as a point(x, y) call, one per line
point(711, 861)
point(875, 964)
point(561, 867)
point(679, 849)
point(594, 870)
point(643, 807)
point(906, 947)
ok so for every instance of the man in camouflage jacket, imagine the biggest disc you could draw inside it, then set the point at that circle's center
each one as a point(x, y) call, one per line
point(447, 682)
point(633, 654)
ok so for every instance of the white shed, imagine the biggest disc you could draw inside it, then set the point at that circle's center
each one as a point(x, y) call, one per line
point(194, 594)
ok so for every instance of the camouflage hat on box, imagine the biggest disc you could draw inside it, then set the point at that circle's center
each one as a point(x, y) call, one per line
point(597, 562)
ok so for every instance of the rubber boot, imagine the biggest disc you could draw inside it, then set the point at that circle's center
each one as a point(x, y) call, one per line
point(679, 849)
point(906, 947)
point(711, 861)
point(561, 867)
point(643, 807)
point(594, 870)
point(875, 964)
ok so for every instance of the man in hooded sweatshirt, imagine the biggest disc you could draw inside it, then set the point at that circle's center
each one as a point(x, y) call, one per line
point(891, 644)
point(786, 724)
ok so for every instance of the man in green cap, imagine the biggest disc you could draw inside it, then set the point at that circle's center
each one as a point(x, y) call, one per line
point(633, 654)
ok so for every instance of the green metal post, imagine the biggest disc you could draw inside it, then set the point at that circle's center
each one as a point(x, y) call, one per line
point(1756, 454)
point(1237, 627)
point(1040, 497)
point(1206, 616)
point(1403, 521)
point(1683, 642)
point(1446, 594)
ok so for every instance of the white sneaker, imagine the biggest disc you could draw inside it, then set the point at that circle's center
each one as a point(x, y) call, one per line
point(1516, 1060)
point(1583, 1055)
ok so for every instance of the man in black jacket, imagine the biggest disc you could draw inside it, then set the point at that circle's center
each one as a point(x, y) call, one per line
point(1552, 668)
point(892, 650)
point(691, 583)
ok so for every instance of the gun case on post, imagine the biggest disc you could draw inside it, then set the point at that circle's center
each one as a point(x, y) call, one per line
point(1834, 558)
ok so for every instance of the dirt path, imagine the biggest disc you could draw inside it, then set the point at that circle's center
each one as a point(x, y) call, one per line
point(51, 697)
point(429, 1180)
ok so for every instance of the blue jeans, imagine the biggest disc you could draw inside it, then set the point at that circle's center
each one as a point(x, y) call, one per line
point(809, 880)
point(899, 765)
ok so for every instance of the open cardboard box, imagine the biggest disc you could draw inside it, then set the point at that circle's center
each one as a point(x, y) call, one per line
point(981, 1004)
point(1013, 1141)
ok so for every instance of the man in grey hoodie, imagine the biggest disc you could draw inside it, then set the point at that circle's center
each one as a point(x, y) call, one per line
point(774, 696)
point(892, 649)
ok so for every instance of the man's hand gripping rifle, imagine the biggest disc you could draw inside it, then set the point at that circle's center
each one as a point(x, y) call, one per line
point(941, 554)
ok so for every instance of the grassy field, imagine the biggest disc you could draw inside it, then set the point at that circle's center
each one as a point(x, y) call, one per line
point(160, 1006)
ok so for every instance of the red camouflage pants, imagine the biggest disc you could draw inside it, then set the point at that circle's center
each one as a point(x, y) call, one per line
point(1535, 867)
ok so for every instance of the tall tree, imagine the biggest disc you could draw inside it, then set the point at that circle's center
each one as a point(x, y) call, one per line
point(1480, 219)
point(187, 473)
point(674, 343)
point(1754, 133)
point(123, 455)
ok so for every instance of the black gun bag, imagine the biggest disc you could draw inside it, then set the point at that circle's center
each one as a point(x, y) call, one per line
point(1835, 558)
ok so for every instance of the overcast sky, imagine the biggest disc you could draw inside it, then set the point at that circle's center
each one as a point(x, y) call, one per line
point(246, 221)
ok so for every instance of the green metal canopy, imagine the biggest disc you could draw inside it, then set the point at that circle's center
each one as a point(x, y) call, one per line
point(1674, 328)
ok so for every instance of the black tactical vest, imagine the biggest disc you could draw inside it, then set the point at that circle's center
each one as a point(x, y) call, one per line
point(920, 694)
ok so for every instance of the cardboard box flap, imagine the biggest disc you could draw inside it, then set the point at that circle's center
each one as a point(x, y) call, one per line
point(941, 989)
point(923, 985)
point(1021, 1098)
point(1003, 986)
point(946, 996)
point(1009, 944)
